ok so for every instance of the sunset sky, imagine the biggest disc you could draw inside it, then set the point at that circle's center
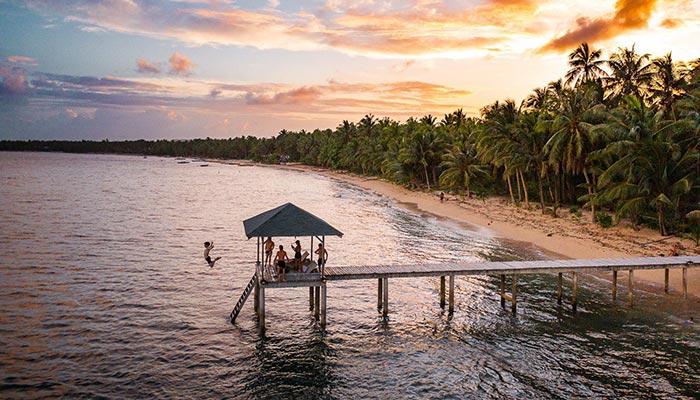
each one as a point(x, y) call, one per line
point(128, 69)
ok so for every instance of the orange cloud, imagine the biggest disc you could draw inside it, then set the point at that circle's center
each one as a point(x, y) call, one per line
point(22, 60)
point(670, 23)
point(180, 64)
point(145, 67)
point(629, 15)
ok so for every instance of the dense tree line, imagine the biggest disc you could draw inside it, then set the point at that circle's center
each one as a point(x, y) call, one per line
point(620, 135)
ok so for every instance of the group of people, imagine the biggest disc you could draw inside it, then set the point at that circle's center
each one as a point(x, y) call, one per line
point(281, 258)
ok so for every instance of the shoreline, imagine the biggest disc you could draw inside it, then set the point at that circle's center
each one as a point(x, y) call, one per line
point(565, 236)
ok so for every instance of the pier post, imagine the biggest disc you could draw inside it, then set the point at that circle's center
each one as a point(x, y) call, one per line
point(261, 310)
point(380, 293)
point(630, 287)
point(560, 279)
point(317, 302)
point(574, 292)
point(442, 292)
point(311, 298)
point(503, 291)
point(685, 283)
point(385, 295)
point(451, 307)
point(666, 280)
point(514, 294)
point(614, 285)
point(256, 296)
point(323, 305)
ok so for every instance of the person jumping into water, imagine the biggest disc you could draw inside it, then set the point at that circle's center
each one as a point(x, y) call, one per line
point(207, 247)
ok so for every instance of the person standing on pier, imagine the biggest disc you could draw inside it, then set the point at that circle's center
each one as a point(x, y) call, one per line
point(281, 260)
point(269, 246)
point(322, 255)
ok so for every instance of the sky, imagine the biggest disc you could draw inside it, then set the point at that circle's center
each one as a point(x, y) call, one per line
point(133, 69)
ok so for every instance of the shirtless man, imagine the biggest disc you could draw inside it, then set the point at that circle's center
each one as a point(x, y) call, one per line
point(322, 255)
point(269, 246)
point(281, 258)
point(207, 247)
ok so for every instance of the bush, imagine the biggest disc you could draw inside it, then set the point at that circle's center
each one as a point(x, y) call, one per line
point(573, 209)
point(603, 219)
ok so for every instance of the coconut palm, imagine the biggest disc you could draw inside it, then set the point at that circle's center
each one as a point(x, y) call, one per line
point(668, 84)
point(630, 73)
point(586, 65)
point(461, 166)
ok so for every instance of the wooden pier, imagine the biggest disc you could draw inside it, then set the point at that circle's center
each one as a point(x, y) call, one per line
point(288, 220)
point(447, 272)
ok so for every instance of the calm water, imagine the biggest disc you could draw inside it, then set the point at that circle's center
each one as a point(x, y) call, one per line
point(103, 293)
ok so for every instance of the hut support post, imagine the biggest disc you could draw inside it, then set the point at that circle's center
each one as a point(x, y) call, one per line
point(666, 280)
point(311, 298)
point(385, 295)
point(380, 293)
point(256, 295)
point(503, 291)
point(514, 294)
point(261, 310)
point(630, 286)
point(442, 292)
point(451, 307)
point(560, 279)
point(574, 292)
point(685, 283)
point(614, 285)
point(323, 305)
point(317, 302)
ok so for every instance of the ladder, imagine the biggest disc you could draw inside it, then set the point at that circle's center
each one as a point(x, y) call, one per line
point(243, 298)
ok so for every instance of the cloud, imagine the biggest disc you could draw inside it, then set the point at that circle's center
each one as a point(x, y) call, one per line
point(629, 15)
point(14, 81)
point(411, 27)
point(180, 64)
point(302, 95)
point(145, 67)
point(22, 60)
point(670, 23)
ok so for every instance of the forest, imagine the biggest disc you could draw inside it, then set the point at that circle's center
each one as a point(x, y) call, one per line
point(618, 136)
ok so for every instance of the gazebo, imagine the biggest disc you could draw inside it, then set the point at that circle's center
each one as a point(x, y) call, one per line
point(286, 221)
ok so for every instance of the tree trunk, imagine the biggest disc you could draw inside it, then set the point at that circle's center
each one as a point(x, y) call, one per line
point(427, 179)
point(590, 195)
point(527, 199)
point(541, 190)
point(510, 190)
point(434, 171)
point(520, 195)
point(662, 228)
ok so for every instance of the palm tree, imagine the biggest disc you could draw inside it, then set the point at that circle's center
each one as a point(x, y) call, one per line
point(651, 170)
point(461, 167)
point(630, 73)
point(668, 84)
point(586, 65)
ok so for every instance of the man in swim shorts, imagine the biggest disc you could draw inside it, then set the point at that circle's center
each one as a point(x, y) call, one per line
point(207, 247)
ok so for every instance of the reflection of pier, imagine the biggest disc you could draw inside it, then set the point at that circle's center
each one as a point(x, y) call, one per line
point(305, 224)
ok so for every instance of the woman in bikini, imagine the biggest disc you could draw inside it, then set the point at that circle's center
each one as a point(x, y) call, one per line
point(296, 246)
point(269, 246)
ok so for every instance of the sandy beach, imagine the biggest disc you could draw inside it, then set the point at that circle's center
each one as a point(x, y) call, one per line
point(566, 236)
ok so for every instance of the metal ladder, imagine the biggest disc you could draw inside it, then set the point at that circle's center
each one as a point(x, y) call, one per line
point(243, 298)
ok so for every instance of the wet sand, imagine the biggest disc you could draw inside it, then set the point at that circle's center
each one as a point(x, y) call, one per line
point(566, 236)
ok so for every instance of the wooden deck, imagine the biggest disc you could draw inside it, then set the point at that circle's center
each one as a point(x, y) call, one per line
point(508, 267)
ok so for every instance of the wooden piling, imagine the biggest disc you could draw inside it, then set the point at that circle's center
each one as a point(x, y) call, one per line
point(503, 291)
point(380, 293)
point(560, 281)
point(685, 283)
point(317, 302)
point(574, 292)
point(385, 295)
point(311, 298)
point(261, 310)
point(614, 286)
point(451, 307)
point(666, 280)
point(442, 292)
point(323, 305)
point(256, 296)
point(514, 295)
point(630, 287)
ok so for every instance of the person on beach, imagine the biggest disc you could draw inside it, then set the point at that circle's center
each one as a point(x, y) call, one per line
point(322, 255)
point(269, 246)
point(281, 261)
point(442, 197)
point(207, 248)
